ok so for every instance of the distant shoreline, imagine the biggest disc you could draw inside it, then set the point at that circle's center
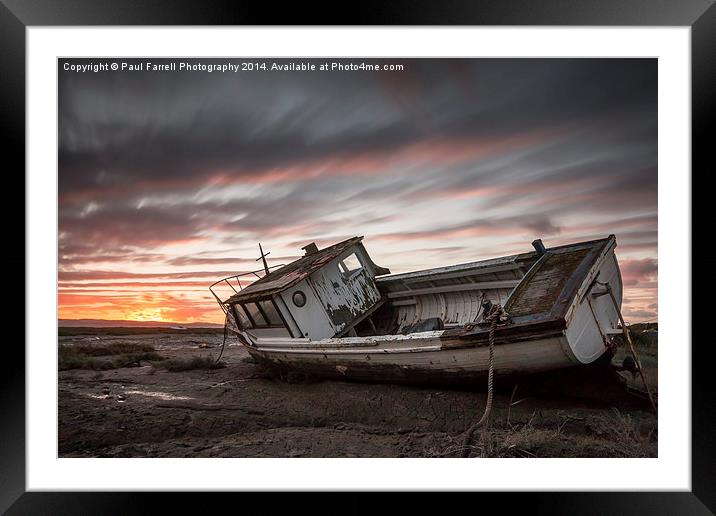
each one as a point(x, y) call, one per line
point(110, 323)
point(72, 331)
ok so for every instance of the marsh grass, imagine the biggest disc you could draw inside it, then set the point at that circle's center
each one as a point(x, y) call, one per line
point(603, 435)
point(625, 437)
point(98, 350)
point(103, 357)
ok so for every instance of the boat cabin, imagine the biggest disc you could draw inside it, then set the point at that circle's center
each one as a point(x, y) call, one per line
point(339, 292)
point(323, 294)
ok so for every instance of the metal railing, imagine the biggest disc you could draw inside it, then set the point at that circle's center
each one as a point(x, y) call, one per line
point(237, 280)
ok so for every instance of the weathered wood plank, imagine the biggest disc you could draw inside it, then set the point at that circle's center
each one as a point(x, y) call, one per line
point(485, 285)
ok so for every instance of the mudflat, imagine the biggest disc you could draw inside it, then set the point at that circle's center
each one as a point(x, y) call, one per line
point(147, 408)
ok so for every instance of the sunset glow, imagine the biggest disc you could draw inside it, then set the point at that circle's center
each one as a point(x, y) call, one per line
point(168, 181)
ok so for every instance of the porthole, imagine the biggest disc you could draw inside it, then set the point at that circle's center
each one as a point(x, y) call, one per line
point(299, 298)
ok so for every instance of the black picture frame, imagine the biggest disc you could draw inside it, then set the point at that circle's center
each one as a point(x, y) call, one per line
point(17, 15)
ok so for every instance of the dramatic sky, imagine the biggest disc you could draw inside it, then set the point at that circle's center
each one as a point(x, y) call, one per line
point(168, 180)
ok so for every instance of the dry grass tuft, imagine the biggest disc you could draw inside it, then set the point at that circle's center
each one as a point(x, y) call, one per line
point(624, 435)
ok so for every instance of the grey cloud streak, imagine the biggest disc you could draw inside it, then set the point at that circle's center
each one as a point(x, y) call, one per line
point(117, 129)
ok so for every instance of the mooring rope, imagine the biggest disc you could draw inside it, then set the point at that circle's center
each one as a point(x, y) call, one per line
point(493, 318)
point(226, 331)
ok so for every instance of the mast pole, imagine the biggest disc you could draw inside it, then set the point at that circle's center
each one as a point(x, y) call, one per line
point(263, 258)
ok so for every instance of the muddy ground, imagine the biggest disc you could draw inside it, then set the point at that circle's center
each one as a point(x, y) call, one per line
point(241, 411)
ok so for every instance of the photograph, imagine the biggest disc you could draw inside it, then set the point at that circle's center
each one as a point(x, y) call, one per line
point(337, 257)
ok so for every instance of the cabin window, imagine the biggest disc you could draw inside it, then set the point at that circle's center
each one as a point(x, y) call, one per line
point(350, 264)
point(253, 310)
point(299, 298)
point(244, 321)
point(269, 310)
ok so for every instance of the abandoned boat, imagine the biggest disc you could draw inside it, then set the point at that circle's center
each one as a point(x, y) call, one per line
point(335, 313)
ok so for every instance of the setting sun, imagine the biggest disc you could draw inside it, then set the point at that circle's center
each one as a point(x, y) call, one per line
point(146, 314)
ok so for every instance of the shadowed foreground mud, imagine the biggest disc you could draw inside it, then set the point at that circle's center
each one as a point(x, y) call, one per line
point(240, 411)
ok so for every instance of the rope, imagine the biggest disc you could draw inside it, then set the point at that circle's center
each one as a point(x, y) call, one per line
point(480, 309)
point(493, 317)
point(226, 331)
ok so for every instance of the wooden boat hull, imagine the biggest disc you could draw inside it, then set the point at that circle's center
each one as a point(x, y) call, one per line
point(563, 314)
point(422, 358)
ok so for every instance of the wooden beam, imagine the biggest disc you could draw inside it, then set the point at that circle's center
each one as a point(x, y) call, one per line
point(450, 272)
point(404, 302)
point(485, 285)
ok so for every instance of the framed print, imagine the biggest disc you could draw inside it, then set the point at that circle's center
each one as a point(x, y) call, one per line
point(417, 253)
